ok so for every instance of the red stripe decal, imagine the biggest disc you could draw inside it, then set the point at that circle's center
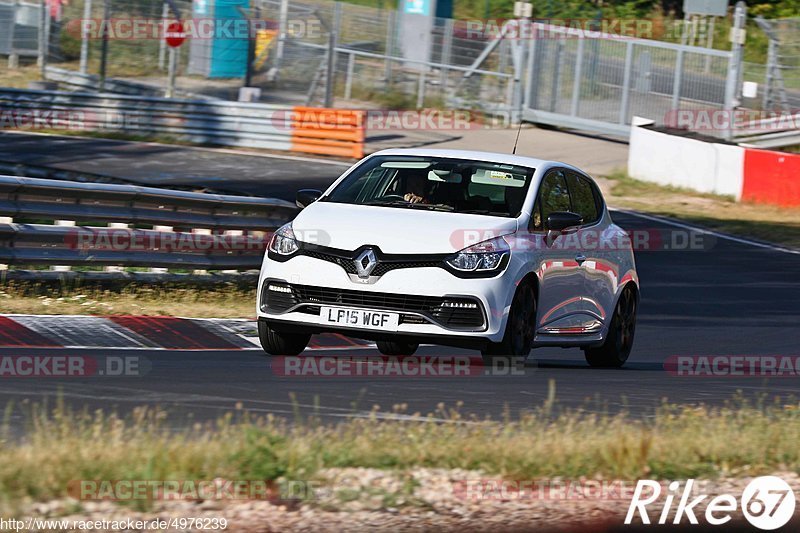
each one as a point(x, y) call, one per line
point(12, 333)
point(174, 333)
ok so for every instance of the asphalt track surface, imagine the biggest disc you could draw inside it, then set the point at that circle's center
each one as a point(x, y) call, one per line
point(727, 298)
point(731, 298)
point(162, 165)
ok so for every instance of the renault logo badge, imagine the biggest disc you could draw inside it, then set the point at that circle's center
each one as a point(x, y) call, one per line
point(365, 263)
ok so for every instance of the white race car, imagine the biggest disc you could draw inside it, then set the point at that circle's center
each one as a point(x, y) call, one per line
point(489, 251)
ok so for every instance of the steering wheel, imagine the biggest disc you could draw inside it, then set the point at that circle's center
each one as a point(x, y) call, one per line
point(392, 198)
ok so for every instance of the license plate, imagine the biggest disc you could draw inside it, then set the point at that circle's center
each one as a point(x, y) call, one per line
point(360, 318)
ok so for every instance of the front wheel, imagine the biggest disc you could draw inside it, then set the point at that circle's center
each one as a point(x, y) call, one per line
point(617, 347)
point(518, 338)
point(279, 343)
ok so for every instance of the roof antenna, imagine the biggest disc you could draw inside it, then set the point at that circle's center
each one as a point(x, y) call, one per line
point(519, 128)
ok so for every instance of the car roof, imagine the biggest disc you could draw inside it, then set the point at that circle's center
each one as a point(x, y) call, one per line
point(491, 157)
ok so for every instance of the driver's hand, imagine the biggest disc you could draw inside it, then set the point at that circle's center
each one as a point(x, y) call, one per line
point(412, 198)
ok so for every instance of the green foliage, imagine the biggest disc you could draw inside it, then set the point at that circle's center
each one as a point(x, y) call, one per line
point(69, 44)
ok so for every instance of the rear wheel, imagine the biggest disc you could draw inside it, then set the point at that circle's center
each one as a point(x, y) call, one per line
point(280, 343)
point(520, 328)
point(617, 347)
point(397, 348)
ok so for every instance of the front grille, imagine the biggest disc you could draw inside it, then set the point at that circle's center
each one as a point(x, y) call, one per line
point(376, 300)
point(346, 260)
point(346, 263)
point(462, 313)
point(385, 266)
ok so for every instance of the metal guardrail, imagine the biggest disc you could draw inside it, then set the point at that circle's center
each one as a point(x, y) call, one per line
point(91, 82)
point(225, 232)
point(312, 130)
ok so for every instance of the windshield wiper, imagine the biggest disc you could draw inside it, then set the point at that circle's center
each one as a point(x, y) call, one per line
point(432, 207)
point(418, 205)
point(481, 212)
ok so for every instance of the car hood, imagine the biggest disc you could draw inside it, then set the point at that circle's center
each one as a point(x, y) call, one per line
point(395, 230)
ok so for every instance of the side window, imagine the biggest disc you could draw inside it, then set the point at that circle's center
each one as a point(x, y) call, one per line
point(584, 202)
point(554, 195)
point(536, 223)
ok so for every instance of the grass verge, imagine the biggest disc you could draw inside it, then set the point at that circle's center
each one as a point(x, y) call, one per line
point(40, 299)
point(721, 213)
point(61, 446)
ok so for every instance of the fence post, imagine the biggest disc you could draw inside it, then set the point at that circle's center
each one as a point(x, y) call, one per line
point(62, 268)
point(330, 72)
point(162, 42)
point(172, 72)
point(555, 88)
point(391, 27)
point(42, 57)
point(447, 50)
point(576, 86)
point(626, 87)
point(527, 83)
point(104, 46)
point(734, 65)
point(87, 15)
point(13, 57)
point(676, 81)
point(348, 82)
point(283, 16)
point(421, 87)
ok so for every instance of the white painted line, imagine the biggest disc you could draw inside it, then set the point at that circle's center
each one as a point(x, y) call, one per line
point(700, 229)
point(231, 151)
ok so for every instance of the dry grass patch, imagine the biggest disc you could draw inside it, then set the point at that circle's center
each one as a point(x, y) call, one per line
point(721, 213)
point(217, 302)
point(677, 442)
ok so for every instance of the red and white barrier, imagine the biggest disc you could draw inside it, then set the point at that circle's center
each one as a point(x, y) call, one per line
point(748, 174)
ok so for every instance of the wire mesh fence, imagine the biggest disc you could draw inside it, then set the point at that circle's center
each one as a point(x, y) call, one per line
point(354, 55)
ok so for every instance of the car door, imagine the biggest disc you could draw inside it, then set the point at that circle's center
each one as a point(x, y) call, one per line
point(599, 256)
point(562, 280)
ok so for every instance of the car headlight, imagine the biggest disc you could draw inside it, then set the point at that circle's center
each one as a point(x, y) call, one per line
point(482, 257)
point(283, 241)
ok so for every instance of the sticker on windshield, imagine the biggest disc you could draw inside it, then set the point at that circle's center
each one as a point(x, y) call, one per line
point(498, 177)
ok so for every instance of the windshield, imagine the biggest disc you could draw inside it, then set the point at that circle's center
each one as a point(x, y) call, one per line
point(437, 184)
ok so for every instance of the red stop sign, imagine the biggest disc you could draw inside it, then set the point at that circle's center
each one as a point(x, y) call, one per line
point(175, 36)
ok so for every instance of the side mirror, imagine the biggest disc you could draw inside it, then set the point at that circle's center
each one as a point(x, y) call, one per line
point(306, 197)
point(562, 220)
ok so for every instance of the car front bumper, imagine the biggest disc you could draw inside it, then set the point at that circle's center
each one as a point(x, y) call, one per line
point(432, 302)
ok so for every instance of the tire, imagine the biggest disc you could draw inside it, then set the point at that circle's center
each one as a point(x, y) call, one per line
point(277, 343)
point(617, 347)
point(397, 348)
point(520, 329)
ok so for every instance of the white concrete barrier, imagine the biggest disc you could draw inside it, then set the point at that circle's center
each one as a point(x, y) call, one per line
point(678, 161)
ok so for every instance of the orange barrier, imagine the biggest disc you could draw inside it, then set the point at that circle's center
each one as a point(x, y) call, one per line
point(319, 130)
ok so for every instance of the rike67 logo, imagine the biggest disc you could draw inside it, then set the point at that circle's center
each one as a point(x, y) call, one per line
point(767, 502)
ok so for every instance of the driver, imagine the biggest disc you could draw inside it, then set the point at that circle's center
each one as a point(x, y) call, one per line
point(415, 187)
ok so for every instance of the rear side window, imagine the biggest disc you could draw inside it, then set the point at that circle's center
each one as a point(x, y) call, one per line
point(584, 201)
